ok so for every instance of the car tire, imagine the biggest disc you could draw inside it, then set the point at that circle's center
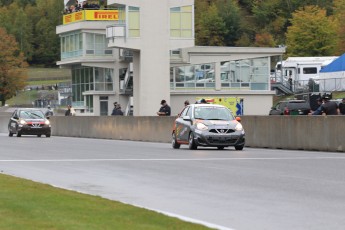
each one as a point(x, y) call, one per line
point(19, 134)
point(191, 142)
point(220, 147)
point(48, 135)
point(174, 143)
point(239, 147)
point(39, 135)
point(10, 134)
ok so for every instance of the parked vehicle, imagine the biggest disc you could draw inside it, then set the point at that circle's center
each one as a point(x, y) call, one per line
point(29, 122)
point(291, 107)
point(208, 125)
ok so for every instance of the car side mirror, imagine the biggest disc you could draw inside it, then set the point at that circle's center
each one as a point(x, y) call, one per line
point(186, 118)
point(48, 117)
point(274, 108)
point(15, 117)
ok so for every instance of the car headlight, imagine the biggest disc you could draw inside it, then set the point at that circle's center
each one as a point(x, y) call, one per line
point(239, 127)
point(47, 122)
point(201, 126)
point(22, 122)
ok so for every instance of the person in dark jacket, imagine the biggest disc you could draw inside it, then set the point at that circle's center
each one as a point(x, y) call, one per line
point(117, 110)
point(165, 109)
point(329, 107)
point(342, 107)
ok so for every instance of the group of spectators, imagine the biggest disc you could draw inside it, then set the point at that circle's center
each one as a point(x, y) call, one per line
point(328, 107)
point(81, 6)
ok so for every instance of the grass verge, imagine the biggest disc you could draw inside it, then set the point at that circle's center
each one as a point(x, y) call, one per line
point(32, 206)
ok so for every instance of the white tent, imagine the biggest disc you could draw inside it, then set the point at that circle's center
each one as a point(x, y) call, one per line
point(332, 77)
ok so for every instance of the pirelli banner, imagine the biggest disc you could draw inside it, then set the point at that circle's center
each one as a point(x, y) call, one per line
point(91, 15)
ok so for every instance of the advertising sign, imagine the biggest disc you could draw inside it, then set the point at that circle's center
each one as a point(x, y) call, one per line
point(235, 104)
point(91, 15)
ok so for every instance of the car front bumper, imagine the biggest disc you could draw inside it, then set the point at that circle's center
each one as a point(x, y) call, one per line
point(219, 140)
point(29, 130)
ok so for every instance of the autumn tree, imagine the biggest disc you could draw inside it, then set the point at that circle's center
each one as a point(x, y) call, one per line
point(13, 72)
point(264, 40)
point(339, 15)
point(312, 33)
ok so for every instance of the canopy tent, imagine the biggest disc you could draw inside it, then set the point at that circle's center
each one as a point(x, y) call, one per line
point(332, 76)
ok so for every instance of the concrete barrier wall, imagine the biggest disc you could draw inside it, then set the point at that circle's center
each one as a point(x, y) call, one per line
point(323, 133)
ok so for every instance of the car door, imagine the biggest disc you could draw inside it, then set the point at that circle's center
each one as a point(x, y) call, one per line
point(182, 125)
point(13, 123)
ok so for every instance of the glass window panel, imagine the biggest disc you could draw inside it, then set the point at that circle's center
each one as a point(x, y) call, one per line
point(134, 33)
point(186, 9)
point(186, 21)
point(175, 33)
point(186, 34)
point(175, 21)
point(134, 20)
point(175, 9)
point(80, 41)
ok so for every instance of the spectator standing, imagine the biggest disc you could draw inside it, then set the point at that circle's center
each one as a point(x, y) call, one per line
point(342, 107)
point(165, 109)
point(329, 107)
point(114, 109)
point(290, 82)
point(49, 112)
point(68, 111)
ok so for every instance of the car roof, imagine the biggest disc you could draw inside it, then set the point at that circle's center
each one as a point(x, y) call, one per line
point(208, 105)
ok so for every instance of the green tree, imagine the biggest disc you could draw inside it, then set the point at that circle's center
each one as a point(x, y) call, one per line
point(211, 28)
point(16, 22)
point(312, 33)
point(13, 72)
point(46, 42)
point(230, 13)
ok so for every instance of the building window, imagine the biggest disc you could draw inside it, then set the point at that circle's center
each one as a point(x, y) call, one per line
point(133, 21)
point(247, 74)
point(96, 45)
point(90, 79)
point(71, 45)
point(193, 77)
point(181, 22)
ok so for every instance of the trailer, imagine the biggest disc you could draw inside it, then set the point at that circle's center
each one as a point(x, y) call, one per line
point(301, 69)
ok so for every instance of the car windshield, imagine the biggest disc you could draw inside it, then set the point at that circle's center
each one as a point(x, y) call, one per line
point(213, 113)
point(31, 114)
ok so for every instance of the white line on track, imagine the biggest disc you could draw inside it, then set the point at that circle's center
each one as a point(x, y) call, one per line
point(177, 159)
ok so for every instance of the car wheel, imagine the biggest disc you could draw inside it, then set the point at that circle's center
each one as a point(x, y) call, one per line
point(48, 135)
point(39, 135)
point(220, 147)
point(191, 142)
point(10, 134)
point(19, 134)
point(174, 143)
point(239, 147)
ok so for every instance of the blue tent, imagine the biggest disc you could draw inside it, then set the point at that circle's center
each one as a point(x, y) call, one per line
point(336, 66)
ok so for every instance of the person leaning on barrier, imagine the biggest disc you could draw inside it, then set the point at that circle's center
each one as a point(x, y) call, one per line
point(342, 107)
point(165, 109)
point(318, 110)
point(329, 107)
